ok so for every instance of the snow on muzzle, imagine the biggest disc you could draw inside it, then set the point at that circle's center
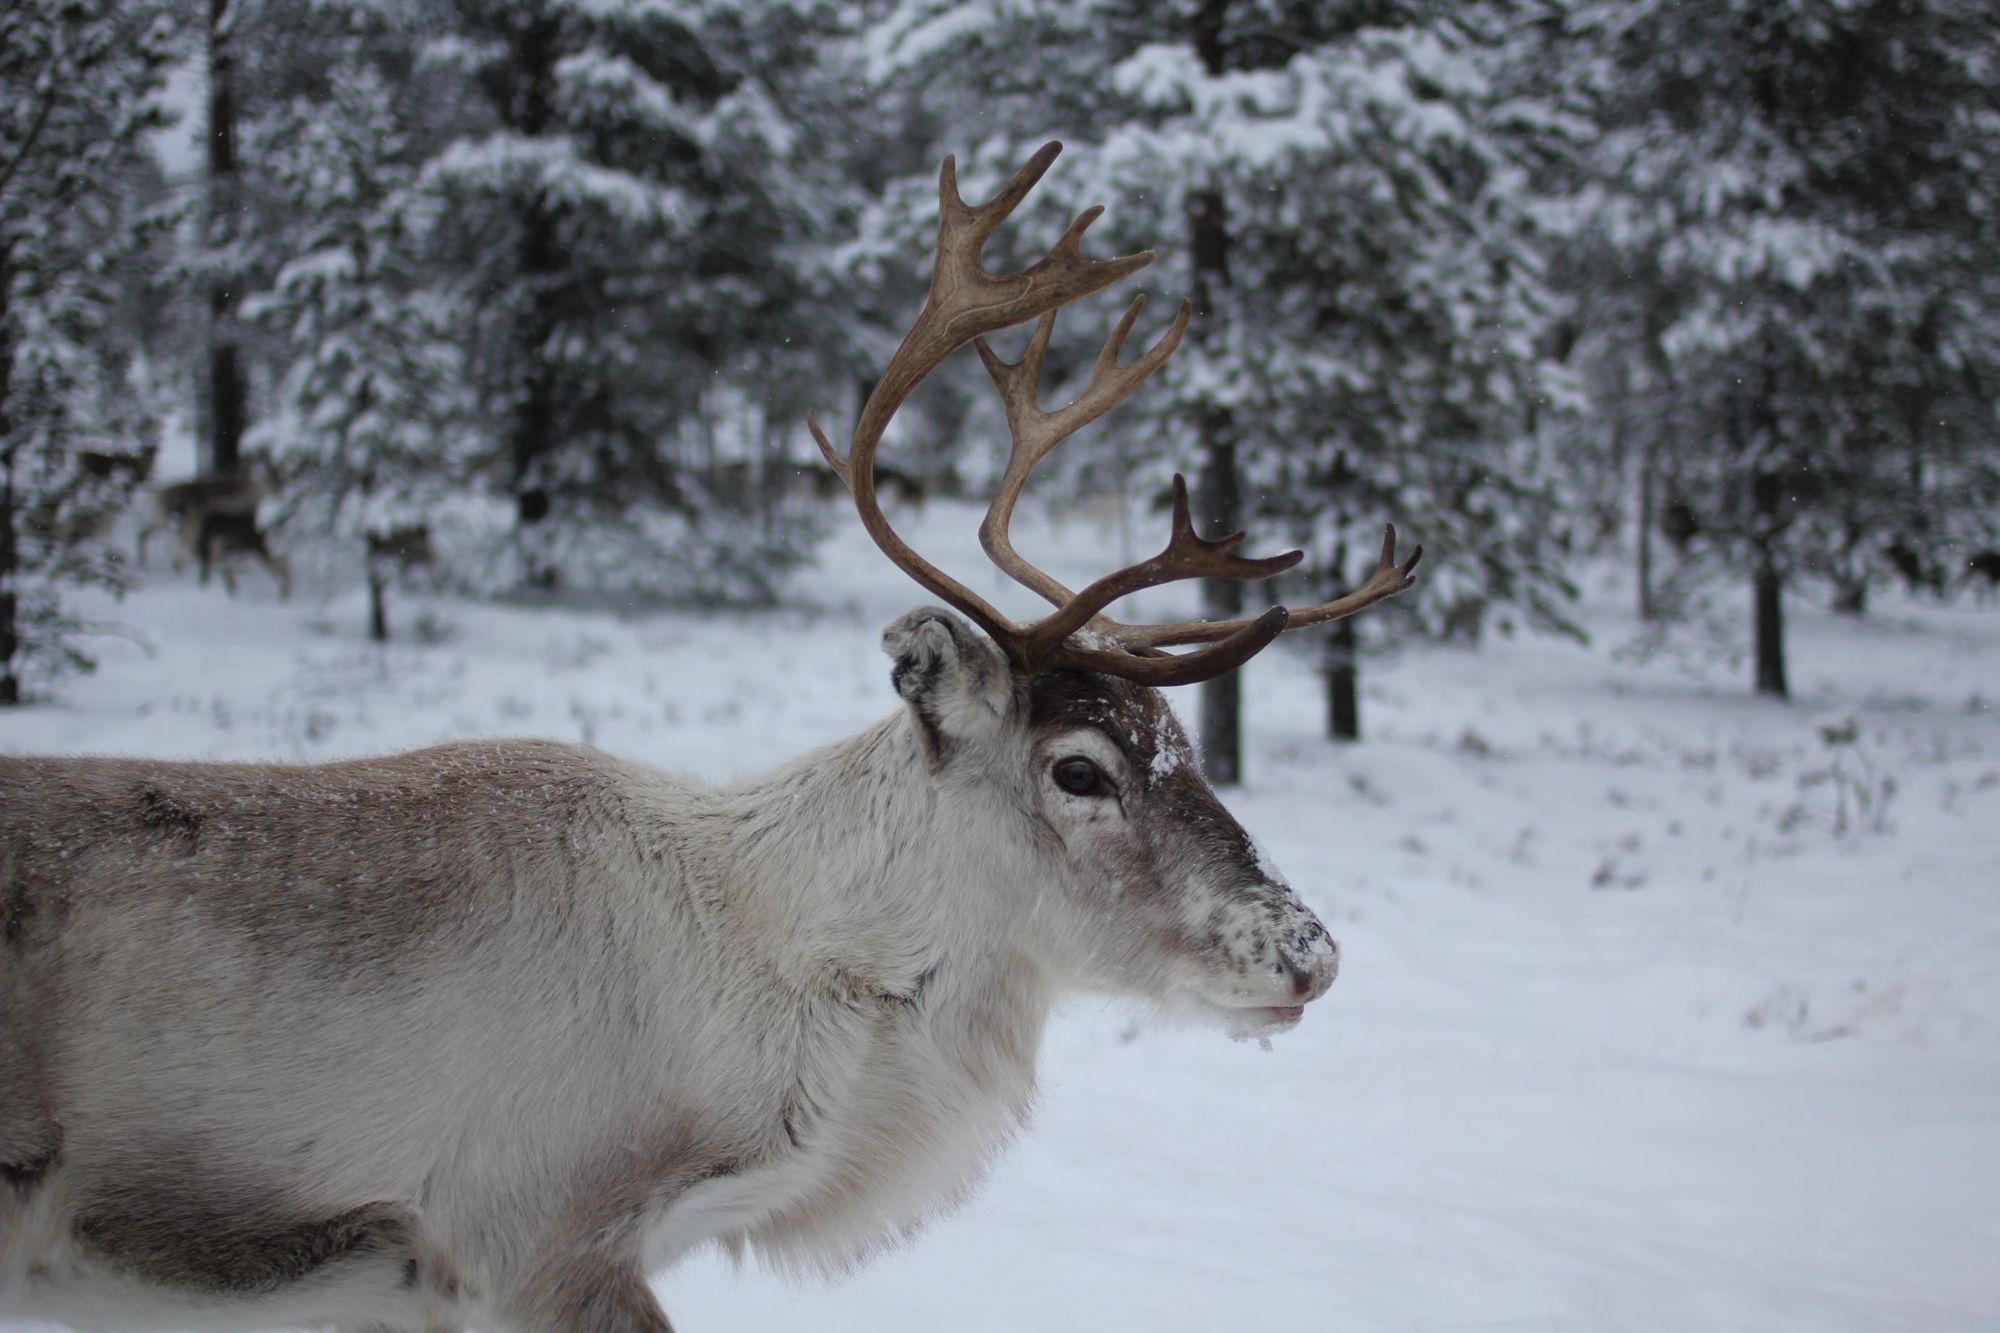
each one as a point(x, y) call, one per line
point(1270, 957)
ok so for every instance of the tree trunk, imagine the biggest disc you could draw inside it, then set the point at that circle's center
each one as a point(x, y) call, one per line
point(1221, 492)
point(1768, 589)
point(1221, 599)
point(1660, 380)
point(535, 425)
point(1343, 682)
point(378, 608)
point(10, 639)
point(1770, 635)
point(226, 395)
point(1648, 497)
point(10, 557)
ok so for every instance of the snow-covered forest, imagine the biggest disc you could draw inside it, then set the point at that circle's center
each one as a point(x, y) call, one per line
point(469, 343)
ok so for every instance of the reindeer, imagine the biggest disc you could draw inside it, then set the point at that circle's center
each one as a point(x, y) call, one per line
point(813, 482)
point(215, 520)
point(1982, 565)
point(58, 518)
point(135, 467)
point(486, 1033)
point(393, 555)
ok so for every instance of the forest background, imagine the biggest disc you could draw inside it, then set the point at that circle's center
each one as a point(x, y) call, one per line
point(1714, 287)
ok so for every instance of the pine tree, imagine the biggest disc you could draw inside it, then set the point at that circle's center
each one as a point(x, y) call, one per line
point(1340, 188)
point(627, 223)
point(78, 86)
point(369, 436)
point(1792, 236)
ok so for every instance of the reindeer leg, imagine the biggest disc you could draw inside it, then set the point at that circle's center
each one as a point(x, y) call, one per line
point(281, 570)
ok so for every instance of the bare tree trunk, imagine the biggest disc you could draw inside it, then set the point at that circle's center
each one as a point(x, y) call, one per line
point(1648, 498)
point(10, 639)
point(1221, 599)
point(226, 395)
point(10, 556)
point(1343, 682)
point(1221, 492)
point(532, 433)
point(378, 608)
point(1850, 570)
point(1660, 381)
point(1768, 588)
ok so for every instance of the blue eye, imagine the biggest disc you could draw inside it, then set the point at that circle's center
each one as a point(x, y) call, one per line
point(1078, 776)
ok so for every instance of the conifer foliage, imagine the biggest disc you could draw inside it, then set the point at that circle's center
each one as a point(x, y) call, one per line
point(624, 224)
point(1794, 213)
point(373, 437)
point(78, 86)
point(1343, 193)
point(537, 292)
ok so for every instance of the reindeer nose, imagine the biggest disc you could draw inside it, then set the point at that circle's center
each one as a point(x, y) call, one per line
point(1309, 983)
point(1313, 976)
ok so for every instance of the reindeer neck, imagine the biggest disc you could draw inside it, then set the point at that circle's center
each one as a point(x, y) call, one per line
point(860, 864)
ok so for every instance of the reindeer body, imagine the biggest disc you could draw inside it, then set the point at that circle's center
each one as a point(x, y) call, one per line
point(411, 969)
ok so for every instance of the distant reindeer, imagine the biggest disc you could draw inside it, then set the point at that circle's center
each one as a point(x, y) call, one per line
point(825, 484)
point(135, 466)
point(1918, 572)
point(214, 519)
point(1983, 565)
point(395, 554)
point(1679, 523)
point(402, 550)
point(484, 1033)
point(56, 518)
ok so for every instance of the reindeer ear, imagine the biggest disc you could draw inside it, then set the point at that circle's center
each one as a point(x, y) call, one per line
point(955, 680)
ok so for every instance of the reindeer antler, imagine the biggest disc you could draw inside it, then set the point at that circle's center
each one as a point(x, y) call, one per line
point(966, 303)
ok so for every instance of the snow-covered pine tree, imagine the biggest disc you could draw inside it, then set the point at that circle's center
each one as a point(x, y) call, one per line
point(1341, 189)
point(1792, 232)
point(78, 86)
point(628, 219)
point(369, 434)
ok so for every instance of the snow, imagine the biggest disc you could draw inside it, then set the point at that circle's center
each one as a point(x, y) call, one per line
point(1170, 755)
point(556, 164)
point(1634, 1031)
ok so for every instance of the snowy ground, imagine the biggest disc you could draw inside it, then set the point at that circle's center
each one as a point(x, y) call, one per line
point(1631, 1034)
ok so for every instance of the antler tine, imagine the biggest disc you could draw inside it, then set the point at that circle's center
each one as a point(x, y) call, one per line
point(1016, 382)
point(979, 222)
point(1162, 669)
point(1388, 579)
point(1187, 556)
point(966, 302)
point(1036, 431)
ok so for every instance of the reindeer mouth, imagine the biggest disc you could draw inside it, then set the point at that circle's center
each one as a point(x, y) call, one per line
point(1253, 1022)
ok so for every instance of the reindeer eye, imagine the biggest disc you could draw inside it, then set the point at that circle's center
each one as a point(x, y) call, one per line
point(1079, 777)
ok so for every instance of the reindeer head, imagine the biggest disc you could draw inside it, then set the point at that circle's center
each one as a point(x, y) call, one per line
point(1157, 890)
